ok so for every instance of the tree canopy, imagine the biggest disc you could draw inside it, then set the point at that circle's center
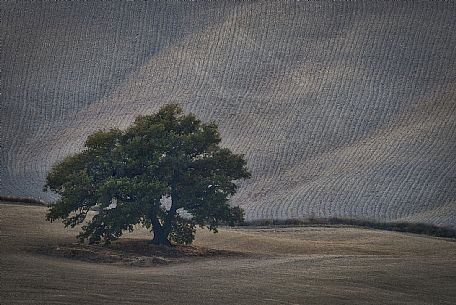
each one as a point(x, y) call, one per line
point(166, 171)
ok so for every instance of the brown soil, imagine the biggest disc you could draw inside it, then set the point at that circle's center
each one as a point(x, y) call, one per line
point(132, 252)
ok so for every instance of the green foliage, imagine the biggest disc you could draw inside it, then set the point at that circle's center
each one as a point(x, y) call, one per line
point(183, 231)
point(127, 175)
point(417, 228)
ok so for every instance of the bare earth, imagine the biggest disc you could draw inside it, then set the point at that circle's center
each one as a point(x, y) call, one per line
point(277, 266)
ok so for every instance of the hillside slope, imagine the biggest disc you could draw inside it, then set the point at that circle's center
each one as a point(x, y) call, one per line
point(342, 109)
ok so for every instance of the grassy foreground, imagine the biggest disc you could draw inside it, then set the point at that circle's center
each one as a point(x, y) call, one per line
point(289, 265)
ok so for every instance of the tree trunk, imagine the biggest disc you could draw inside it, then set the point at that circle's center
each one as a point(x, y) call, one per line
point(170, 217)
point(162, 231)
point(165, 229)
point(160, 236)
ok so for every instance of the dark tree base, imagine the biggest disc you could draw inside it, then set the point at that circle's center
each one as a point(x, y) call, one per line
point(160, 241)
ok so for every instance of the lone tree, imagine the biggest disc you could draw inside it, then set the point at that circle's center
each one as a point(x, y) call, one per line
point(161, 165)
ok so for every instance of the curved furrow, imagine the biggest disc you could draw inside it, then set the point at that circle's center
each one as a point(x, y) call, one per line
point(364, 211)
point(323, 98)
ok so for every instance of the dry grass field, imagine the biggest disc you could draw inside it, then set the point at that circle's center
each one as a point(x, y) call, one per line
point(312, 265)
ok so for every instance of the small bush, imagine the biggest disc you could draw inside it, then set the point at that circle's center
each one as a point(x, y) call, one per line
point(22, 200)
point(417, 228)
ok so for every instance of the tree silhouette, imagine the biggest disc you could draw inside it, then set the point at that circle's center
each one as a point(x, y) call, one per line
point(161, 165)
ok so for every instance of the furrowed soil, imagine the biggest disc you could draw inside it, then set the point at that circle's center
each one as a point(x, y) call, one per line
point(40, 263)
